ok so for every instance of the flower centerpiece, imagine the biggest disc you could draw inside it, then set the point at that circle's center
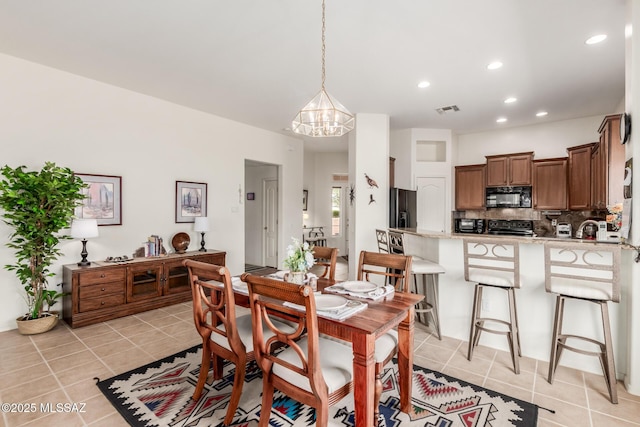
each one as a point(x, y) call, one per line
point(299, 260)
point(615, 216)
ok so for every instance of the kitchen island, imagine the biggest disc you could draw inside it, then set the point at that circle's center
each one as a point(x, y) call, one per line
point(535, 305)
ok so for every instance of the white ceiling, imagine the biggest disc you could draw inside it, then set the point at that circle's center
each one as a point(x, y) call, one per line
point(258, 61)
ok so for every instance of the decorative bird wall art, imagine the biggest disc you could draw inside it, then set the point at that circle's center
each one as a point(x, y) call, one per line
point(370, 181)
point(371, 199)
point(352, 194)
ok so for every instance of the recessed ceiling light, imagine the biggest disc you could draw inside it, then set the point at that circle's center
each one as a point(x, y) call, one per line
point(596, 39)
point(424, 84)
point(494, 65)
point(541, 114)
point(501, 120)
point(510, 100)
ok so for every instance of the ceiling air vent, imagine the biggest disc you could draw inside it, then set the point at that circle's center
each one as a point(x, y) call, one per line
point(450, 108)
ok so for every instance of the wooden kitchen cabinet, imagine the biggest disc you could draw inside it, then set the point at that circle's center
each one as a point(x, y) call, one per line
point(580, 176)
point(509, 169)
point(470, 187)
point(104, 291)
point(550, 183)
point(607, 161)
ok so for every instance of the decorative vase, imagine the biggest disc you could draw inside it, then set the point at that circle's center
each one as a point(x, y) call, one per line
point(296, 277)
point(42, 324)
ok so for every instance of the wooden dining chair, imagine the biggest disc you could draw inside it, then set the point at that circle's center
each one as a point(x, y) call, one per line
point(225, 336)
point(397, 268)
point(326, 258)
point(313, 370)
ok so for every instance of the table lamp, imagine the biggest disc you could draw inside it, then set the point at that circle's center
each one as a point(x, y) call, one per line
point(84, 229)
point(201, 225)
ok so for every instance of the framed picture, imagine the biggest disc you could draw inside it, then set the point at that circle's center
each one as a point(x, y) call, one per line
point(103, 199)
point(251, 196)
point(305, 197)
point(191, 200)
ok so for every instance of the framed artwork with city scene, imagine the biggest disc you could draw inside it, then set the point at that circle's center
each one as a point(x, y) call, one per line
point(103, 199)
point(191, 200)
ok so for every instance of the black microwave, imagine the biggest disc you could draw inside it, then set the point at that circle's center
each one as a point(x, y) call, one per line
point(464, 225)
point(508, 197)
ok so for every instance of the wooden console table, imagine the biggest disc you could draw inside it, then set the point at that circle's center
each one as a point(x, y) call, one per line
point(105, 290)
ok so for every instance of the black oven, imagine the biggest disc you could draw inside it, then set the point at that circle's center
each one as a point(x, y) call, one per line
point(464, 225)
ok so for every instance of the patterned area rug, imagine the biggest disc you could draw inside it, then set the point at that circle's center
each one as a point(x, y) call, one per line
point(159, 394)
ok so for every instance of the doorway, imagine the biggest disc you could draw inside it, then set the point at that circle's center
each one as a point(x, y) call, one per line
point(261, 214)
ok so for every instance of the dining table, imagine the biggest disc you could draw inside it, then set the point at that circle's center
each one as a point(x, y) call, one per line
point(361, 330)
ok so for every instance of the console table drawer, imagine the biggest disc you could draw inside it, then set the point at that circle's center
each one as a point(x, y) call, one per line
point(102, 276)
point(90, 304)
point(99, 290)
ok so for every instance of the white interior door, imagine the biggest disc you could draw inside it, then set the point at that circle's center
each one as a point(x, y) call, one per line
point(431, 203)
point(270, 223)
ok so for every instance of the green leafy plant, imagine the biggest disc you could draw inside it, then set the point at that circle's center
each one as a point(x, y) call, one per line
point(37, 205)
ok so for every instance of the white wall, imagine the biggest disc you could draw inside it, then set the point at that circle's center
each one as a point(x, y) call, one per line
point(368, 154)
point(95, 128)
point(548, 139)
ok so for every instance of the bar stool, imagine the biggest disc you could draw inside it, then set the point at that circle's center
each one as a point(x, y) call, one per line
point(493, 264)
point(585, 274)
point(383, 241)
point(429, 272)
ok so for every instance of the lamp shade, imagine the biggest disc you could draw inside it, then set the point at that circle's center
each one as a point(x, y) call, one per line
point(84, 228)
point(201, 224)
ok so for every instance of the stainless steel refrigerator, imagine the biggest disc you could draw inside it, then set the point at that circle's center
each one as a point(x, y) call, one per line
point(402, 208)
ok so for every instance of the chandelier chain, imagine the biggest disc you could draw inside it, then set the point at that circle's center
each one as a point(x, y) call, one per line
point(323, 48)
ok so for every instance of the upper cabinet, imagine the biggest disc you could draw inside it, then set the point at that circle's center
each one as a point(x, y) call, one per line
point(580, 176)
point(470, 187)
point(607, 162)
point(550, 184)
point(509, 169)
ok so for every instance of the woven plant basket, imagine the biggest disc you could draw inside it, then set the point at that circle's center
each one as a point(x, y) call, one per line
point(45, 323)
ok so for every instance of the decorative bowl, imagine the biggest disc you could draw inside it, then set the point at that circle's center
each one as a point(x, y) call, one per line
point(180, 242)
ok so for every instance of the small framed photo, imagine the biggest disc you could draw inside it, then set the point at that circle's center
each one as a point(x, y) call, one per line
point(251, 196)
point(103, 199)
point(191, 200)
point(305, 198)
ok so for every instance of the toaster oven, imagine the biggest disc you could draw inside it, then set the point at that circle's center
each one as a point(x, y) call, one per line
point(464, 225)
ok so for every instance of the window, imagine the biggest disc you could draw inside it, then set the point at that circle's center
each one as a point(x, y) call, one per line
point(336, 211)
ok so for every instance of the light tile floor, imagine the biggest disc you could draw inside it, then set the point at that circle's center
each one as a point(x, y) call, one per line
point(60, 366)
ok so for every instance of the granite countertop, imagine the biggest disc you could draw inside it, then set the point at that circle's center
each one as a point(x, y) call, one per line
point(522, 239)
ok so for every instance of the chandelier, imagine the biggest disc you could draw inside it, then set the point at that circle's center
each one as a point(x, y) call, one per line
point(323, 115)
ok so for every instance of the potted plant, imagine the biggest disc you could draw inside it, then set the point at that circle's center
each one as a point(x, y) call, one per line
point(37, 205)
point(299, 260)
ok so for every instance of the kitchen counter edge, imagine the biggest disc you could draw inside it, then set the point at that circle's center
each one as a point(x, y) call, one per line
point(521, 239)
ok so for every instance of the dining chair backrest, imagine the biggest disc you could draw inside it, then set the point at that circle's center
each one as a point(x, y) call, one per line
point(297, 370)
point(214, 309)
point(383, 241)
point(396, 242)
point(590, 272)
point(492, 262)
point(393, 268)
point(224, 336)
point(326, 257)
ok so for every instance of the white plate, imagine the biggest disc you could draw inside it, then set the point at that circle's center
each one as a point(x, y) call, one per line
point(359, 286)
point(330, 302)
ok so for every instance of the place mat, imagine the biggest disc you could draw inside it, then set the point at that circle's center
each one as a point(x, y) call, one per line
point(343, 313)
point(378, 294)
point(238, 285)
